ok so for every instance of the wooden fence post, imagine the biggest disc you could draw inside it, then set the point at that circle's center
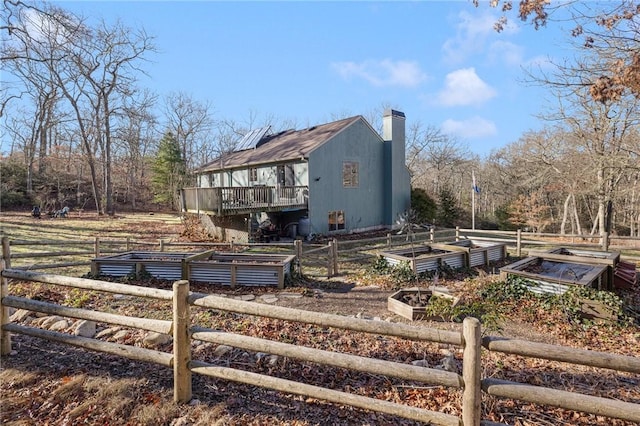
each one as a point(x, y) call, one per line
point(472, 395)
point(335, 256)
point(5, 336)
point(519, 242)
point(128, 243)
point(96, 247)
point(457, 233)
point(432, 234)
point(6, 252)
point(181, 343)
point(329, 260)
point(161, 245)
point(388, 239)
point(297, 246)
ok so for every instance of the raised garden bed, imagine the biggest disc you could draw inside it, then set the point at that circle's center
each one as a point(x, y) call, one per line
point(412, 303)
point(479, 253)
point(550, 276)
point(425, 258)
point(588, 257)
point(161, 265)
point(245, 269)
point(242, 269)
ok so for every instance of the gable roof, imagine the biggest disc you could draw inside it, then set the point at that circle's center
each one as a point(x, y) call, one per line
point(283, 146)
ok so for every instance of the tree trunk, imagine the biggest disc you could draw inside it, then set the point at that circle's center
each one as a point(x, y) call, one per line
point(565, 213)
point(576, 215)
point(107, 151)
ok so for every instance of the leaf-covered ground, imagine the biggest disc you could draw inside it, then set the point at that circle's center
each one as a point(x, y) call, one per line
point(48, 383)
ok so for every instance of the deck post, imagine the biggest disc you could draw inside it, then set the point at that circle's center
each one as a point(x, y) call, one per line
point(519, 242)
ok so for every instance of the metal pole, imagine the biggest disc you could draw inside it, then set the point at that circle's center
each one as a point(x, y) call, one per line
point(473, 208)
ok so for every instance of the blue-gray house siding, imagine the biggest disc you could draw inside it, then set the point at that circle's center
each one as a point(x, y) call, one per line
point(313, 161)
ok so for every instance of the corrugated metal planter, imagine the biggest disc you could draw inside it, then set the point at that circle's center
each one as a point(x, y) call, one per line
point(550, 276)
point(398, 303)
point(479, 253)
point(587, 257)
point(162, 265)
point(425, 258)
point(208, 267)
point(241, 269)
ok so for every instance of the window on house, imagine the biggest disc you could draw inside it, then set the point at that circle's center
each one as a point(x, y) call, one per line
point(336, 220)
point(253, 174)
point(350, 174)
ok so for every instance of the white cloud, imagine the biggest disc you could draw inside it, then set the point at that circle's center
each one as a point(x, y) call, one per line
point(475, 127)
point(383, 73)
point(507, 52)
point(472, 32)
point(464, 87)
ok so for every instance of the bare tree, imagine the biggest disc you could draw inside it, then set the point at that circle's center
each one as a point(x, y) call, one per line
point(435, 159)
point(92, 68)
point(191, 122)
point(134, 141)
point(605, 26)
point(23, 52)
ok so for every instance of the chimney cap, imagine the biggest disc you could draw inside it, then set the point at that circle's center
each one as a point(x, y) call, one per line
point(393, 113)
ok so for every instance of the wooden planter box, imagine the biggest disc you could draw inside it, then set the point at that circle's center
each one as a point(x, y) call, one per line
point(397, 304)
point(208, 267)
point(550, 276)
point(427, 258)
point(479, 253)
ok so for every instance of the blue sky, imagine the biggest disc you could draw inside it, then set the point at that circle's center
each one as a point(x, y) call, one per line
point(440, 62)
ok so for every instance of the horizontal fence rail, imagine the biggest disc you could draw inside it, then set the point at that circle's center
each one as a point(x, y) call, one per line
point(184, 332)
point(315, 257)
point(181, 361)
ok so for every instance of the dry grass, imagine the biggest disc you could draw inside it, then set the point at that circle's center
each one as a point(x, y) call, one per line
point(47, 383)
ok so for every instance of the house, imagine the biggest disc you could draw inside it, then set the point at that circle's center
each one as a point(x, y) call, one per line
point(338, 177)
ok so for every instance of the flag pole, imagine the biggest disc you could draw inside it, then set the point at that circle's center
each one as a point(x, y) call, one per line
point(473, 208)
point(473, 201)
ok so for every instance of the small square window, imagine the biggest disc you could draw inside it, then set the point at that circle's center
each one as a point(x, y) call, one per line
point(336, 220)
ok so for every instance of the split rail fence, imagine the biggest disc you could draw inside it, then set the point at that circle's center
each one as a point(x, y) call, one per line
point(314, 258)
point(184, 333)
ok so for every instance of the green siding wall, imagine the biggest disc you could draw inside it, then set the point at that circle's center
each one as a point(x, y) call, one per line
point(363, 206)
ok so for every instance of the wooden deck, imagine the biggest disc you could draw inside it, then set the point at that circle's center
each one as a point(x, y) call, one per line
point(228, 201)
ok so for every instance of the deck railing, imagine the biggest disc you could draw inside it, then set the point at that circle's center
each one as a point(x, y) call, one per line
point(233, 200)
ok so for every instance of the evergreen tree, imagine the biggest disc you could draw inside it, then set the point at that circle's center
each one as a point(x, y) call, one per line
point(169, 171)
point(423, 205)
point(448, 212)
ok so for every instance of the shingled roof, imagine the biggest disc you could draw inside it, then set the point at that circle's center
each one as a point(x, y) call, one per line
point(283, 146)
